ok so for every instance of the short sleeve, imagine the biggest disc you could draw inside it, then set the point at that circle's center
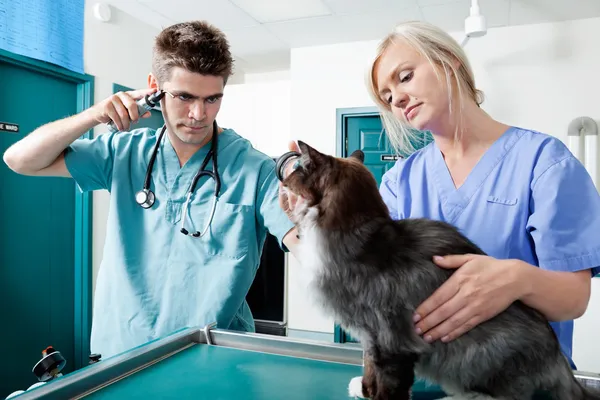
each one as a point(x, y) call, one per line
point(269, 213)
point(565, 218)
point(389, 191)
point(90, 162)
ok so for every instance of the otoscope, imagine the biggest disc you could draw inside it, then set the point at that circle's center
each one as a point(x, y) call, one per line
point(144, 105)
point(282, 164)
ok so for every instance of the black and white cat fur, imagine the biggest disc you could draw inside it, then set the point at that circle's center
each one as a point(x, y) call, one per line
point(370, 273)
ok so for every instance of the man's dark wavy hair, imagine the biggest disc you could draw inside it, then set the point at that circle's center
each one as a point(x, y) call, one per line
point(196, 46)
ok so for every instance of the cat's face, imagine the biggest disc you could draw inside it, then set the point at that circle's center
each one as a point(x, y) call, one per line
point(342, 190)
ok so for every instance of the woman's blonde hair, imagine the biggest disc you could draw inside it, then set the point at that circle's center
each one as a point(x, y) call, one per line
point(442, 51)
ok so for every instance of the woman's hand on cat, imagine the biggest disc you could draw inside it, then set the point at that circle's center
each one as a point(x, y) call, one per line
point(482, 288)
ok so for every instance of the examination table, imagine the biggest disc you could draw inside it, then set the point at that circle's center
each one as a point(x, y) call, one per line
point(207, 363)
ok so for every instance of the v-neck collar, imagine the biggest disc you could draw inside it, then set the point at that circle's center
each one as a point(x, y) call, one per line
point(178, 178)
point(454, 200)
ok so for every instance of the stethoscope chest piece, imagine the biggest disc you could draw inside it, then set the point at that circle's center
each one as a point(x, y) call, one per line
point(145, 198)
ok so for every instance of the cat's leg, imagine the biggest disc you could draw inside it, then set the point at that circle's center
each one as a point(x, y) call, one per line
point(394, 375)
point(386, 376)
point(369, 381)
point(364, 386)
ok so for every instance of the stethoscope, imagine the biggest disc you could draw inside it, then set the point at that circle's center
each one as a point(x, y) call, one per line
point(145, 197)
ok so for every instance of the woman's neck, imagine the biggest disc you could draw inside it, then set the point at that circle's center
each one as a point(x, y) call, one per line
point(470, 137)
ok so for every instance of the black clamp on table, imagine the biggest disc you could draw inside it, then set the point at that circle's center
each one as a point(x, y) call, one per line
point(50, 366)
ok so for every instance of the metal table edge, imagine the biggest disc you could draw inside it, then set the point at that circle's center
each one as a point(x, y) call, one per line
point(96, 376)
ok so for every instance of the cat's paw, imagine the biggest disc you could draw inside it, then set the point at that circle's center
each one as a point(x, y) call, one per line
point(355, 388)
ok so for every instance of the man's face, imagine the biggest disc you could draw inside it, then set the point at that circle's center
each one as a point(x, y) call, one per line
point(190, 105)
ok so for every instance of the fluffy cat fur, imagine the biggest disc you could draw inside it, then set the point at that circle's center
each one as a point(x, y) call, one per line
point(371, 272)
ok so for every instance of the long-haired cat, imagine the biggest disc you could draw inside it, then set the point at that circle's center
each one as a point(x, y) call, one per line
point(371, 273)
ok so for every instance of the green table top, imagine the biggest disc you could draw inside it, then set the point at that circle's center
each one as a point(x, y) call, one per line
point(211, 372)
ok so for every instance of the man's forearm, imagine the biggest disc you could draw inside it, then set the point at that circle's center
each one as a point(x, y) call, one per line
point(558, 295)
point(42, 147)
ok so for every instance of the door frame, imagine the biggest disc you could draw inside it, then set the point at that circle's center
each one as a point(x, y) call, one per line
point(341, 142)
point(83, 209)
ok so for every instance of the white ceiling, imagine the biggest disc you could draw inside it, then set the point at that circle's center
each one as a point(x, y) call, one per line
point(261, 32)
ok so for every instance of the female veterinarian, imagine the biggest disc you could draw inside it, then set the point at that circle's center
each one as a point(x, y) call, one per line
point(517, 193)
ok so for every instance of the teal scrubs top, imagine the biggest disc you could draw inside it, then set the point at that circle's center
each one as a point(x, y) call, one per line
point(153, 279)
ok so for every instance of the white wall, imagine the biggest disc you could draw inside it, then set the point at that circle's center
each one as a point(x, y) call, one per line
point(118, 51)
point(537, 76)
point(259, 110)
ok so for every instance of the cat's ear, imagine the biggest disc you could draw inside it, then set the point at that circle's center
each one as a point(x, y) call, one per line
point(359, 155)
point(313, 154)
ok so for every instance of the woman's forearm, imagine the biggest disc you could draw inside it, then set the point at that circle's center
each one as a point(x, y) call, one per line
point(558, 295)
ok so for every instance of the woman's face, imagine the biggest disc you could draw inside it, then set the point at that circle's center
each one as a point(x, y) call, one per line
point(407, 82)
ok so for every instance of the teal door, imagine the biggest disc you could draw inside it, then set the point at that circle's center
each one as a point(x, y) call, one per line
point(364, 131)
point(38, 245)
